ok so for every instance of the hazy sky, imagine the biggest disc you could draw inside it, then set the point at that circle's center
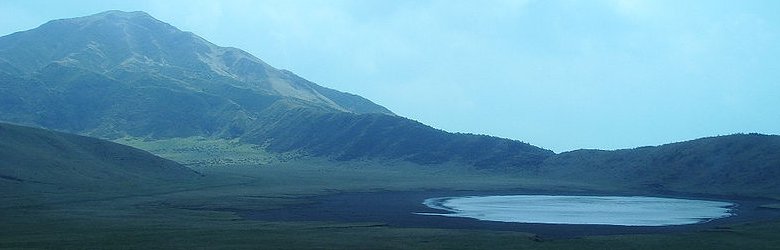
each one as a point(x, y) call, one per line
point(561, 75)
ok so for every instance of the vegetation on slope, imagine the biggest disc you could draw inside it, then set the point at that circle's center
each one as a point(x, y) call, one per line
point(154, 81)
point(37, 156)
point(743, 164)
point(344, 136)
point(206, 152)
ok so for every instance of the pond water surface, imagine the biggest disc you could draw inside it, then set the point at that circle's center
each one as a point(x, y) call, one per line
point(407, 209)
point(599, 210)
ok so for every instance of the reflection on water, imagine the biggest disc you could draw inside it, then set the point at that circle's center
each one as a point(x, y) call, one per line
point(592, 210)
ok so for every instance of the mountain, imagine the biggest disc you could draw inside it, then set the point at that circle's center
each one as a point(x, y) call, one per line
point(38, 156)
point(125, 74)
point(132, 46)
point(746, 164)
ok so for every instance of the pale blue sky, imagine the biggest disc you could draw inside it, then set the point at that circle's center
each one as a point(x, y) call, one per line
point(561, 75)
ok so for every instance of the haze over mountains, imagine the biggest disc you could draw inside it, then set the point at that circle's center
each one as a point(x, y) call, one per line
point(125, 74)
point(120, 131)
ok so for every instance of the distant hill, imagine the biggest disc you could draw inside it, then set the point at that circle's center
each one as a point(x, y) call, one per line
point(125, 74)
point(37, 156)
point(746, 164)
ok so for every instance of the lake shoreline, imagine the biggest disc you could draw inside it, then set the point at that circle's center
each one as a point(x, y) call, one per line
point(396, 208)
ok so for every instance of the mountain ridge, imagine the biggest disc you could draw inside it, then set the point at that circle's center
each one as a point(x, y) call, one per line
point(125, 74)
point(156, 100)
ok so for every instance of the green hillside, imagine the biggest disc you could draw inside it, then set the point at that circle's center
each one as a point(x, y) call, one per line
point(741, 164)
point(344, 136)
point(125, 74)
point(41, 157)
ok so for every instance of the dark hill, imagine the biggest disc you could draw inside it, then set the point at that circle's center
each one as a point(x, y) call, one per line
point(38, 156)
point(734, 164)
point(347, 137)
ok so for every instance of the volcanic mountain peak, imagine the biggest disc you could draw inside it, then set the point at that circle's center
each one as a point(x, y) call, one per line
point(125, 74)
point(128, 46)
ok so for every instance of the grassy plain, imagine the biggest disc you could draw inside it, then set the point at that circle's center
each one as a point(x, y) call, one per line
point(193, 215)
point(201, 151)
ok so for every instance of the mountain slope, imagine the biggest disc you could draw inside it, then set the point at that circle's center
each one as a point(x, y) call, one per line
point(128, 46)
point(37, 156)
point(125, 74)
point(734, 164)
point(348, 137)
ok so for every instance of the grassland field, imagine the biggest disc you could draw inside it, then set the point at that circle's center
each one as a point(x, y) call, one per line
point(194, 215)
